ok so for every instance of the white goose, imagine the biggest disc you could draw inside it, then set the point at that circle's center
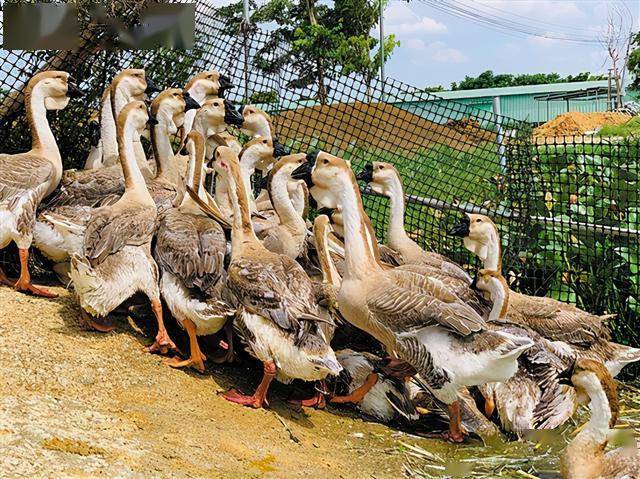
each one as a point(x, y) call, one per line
point(27, 178)
point(205, 86)
point(278, 319)
point(116, 261)
point(190, 250)
point(416, 318)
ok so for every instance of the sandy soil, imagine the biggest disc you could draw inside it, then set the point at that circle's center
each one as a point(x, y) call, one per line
point(75, 403)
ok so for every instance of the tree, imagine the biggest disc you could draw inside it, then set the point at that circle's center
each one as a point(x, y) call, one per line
point(488, 79)
point(633, 62)
point(314, 43)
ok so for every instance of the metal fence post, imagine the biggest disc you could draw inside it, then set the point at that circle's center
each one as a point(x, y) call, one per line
point(500, 133)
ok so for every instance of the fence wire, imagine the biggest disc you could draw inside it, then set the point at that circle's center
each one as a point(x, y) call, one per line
point(567, 208)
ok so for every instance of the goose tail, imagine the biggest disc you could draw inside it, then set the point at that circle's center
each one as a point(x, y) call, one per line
point(514, 345)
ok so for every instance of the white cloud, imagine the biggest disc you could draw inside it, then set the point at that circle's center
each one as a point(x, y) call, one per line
point(443, 54)
point(415, 44)
point(399, 18)
point(542, 41)
point(541, 10)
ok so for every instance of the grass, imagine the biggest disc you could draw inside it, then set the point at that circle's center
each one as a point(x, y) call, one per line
point(630, 128)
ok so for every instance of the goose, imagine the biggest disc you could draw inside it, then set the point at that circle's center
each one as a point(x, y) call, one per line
point(288, 237)
point(116, 260)
point(416, 318)
point(57, 245)
point(586, 334)
point(585, 457)
point(90, 187)
point(278, 317)
point(27, 178)
point(385, 180)
point(190, 250)
point(205, 86)
point(126, 86)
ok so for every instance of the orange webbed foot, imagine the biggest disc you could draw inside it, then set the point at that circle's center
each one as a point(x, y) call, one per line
point(28, 287)
point(234, 396)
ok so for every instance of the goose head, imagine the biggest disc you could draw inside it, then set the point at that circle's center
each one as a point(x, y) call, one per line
point(133, 83)
point(54, 87)
point(260, 152)
point(383, 178)
point(209, 83)
point(285, 166)
point(256, 122)
point(135, 115)
point(214, 115)
point(479, 233)
point(320, 180)
point(169, 107)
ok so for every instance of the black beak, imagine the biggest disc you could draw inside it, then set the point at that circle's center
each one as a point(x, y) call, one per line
point(263, 183)
point(279, 149)
point(152, 121)
point(190, 103)
point(231, 115)
point(564, 377)
point(73, 91)
point(461, 229)
point(366, 174)
point(326, 211)
point(183, 151)
point(303, 172)
point(225, 84)
point(94, 132)
point(151, 87)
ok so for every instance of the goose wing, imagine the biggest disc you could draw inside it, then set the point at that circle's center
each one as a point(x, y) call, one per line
point(409, 302)
point(275, 287)
point(191, 248)
point(24, 174)
point(557, 321)
point(89, 187)
point(111, 229)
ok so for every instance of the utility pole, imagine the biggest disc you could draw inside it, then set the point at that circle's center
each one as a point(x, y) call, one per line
point(246, 23)
point(382, 76)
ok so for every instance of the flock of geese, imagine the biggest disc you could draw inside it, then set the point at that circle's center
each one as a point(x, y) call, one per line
point(256, 268)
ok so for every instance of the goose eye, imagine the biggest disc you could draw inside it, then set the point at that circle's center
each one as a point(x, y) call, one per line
point(216, 104)
point(264, 141)
point(325, 162)
point(478, 220)
point(381, 167)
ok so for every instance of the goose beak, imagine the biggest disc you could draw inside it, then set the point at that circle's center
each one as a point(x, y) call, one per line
point(332, 365)
point(151, 87)
point(190, 103)
point(225, 84)
point(461, 229)
point(263, 183)
point(152, 121)
point(183, 151)
point(326, 211)
point(564, 377)
point(73, 91)
point(280, 150)
point(94, 132)
point(303, 172)
point(366, 174)
point(231, 115)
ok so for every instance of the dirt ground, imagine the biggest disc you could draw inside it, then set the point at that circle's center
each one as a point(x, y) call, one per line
point(75, 403)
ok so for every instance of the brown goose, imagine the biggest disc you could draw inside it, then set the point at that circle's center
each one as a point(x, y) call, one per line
point(205, 86)
point(190, 250)
point(279, 318)
point(416, 318)
point(116, 261)
point(587, 334)
point(27, 178)
point(584, 457)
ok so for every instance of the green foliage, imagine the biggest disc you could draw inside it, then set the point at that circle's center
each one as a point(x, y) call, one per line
point(630, 128)
point(488, 79)
point(633, 63)
point(270, 96)
point(317, 41)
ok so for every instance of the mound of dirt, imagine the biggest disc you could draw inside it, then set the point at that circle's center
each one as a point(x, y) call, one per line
point(378, 126)
point(577, 123)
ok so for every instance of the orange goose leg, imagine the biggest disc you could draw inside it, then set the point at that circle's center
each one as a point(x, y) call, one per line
point(163, 343)
point(24, 282)
point(259, 397)
point(317, 400)
point(358, 394)
point(196, 358)
point(455, 433)
point(229, 356)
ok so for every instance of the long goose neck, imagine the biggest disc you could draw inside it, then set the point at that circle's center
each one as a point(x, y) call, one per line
point(396, 231)
point(42, 139)
point(242, 233)
point(163, 152)
point(359, 258)
point(330, 273)
point(195, 179)
point(108, 129)
point(248, 162)
point(134, 182)
point(499, 290)
point(198, 95)
point(279, 193)
point(488, 249)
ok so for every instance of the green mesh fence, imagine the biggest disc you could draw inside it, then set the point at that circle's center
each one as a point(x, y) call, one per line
point(567, 208)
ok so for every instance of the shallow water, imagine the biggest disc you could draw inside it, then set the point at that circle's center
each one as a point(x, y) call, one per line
point(537, 457)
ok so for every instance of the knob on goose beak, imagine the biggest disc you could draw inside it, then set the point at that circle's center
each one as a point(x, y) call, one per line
point(231, 115)
point(279, 149)
point(151, 87)
point(152, 121)
point(366, 174)
point(461, 229)
point(94, 132)
point(303, 172)
point(190, 103)
point(326, 211)
point(225, 84)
